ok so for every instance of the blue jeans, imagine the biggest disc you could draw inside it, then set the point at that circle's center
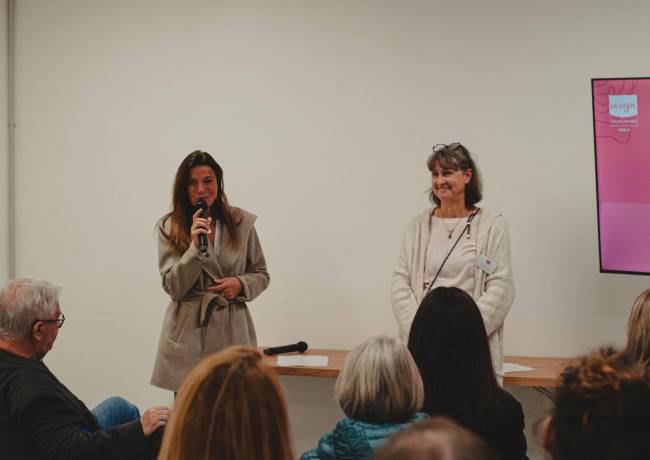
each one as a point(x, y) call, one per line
point(115, 411)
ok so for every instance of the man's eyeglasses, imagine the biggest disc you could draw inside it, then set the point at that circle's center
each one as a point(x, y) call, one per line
point(59, 321)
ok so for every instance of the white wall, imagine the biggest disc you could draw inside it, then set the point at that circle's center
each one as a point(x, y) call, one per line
point(322, 115)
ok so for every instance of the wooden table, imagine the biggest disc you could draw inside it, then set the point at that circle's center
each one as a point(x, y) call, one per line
point(546, 373)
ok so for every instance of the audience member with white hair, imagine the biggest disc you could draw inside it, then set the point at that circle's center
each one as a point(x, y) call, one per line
point(380, 391)
point(39, 417)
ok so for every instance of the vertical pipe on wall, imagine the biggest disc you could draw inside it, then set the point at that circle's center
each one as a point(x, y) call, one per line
point(7, 257)
point(11, 127)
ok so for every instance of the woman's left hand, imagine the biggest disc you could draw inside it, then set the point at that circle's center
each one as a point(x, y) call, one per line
point(230, 286)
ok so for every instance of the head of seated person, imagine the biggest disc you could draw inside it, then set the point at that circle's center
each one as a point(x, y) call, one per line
point(638, 328)
point(379, 382)
point(602, 410)
point(380, 391)
point(230, 407)
point(450, 345)
point(30, 317)
point(438, 438)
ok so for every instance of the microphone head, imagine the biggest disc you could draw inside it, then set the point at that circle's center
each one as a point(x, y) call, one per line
point(202, 204)
point(302, 347)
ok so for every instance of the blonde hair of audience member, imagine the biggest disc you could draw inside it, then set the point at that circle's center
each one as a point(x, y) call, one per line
point(602, 410)
point(438, 438)
point(230, 407)
point(638, 329)
point(380, 382)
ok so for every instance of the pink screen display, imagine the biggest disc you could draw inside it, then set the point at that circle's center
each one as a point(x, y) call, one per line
point(622, 142)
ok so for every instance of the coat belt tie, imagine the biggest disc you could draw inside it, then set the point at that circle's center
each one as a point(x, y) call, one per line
point(209, 301)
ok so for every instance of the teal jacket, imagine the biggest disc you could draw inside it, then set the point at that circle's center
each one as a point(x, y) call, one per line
point(355, 440)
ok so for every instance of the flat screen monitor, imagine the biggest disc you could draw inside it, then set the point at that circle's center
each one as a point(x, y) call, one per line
point(621, 113)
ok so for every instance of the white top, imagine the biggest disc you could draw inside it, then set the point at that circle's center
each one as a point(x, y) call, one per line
point(458, 271)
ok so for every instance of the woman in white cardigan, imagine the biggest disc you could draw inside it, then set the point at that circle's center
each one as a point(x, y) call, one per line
point(456, 243)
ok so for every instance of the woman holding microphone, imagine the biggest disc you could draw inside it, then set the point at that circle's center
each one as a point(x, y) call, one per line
point(209, 281)
point(455, 243)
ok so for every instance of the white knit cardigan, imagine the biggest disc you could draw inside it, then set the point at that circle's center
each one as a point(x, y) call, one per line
point(494, 294)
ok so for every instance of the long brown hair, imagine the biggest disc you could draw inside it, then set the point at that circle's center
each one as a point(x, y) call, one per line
point(182, 209)
point(638, 329)
point(230, 407)
point(448, 333)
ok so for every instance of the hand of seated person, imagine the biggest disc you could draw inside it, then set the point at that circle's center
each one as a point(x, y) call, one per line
point(153, 419)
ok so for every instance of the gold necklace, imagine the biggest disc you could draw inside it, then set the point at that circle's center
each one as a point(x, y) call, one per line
point(450, 230)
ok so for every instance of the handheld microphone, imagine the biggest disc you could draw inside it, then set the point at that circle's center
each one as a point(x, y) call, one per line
point(203, 238)
point(300, 347)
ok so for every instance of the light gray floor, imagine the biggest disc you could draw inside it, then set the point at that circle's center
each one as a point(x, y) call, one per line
point(313, 411)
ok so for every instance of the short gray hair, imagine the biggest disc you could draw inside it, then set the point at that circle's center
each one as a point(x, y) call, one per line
point(380, 382)
point(23, 301)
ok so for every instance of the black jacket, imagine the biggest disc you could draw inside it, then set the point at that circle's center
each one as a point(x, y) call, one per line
point(41, 419)
point(501, 425)
point(505, 428)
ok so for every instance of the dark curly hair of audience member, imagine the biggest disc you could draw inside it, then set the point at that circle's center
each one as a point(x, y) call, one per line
point(602, 410)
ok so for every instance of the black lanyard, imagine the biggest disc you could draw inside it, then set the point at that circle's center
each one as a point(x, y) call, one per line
point(467, 229)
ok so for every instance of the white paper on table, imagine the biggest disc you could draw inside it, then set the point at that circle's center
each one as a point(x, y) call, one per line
point(512, 367)
point(303, 360)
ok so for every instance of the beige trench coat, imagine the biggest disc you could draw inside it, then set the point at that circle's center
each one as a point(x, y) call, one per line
point(197, 322)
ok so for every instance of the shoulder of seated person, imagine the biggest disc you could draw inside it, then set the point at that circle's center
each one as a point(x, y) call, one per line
point(507, 396)
point(349, 424)
point(30, 381)
point(507, 404)
point(350, 427)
